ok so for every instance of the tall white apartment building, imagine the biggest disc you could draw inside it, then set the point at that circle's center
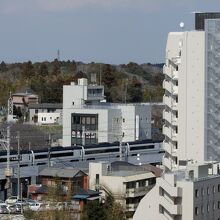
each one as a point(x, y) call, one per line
point(189, 188)
point(184, 99)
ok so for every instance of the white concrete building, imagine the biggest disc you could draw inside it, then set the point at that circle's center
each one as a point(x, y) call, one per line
point(190, 194)
point(125, 182)
point(49, 118)
point(87, 119)
point(45, 113)
point(189, 188)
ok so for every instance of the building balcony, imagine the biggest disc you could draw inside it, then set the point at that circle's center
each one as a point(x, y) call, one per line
point(171, 190)
point(170, 87)
point(175, 75)
point(177, 60)
point(131, 207)
point(170, 102)
point(169, 148)
point(174, 120)
point(167, 163)
point(170, 133)
point(175, 90)
point(174, 135)
point(170, 117)
point(140, 191)
point(167, 71)
point(173, 209)
point(167, 101)
point(167, 86)
point(167, 131)
point(167, 116)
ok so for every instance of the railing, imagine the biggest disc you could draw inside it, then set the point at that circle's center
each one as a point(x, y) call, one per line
point(132, 207)
point(140, 189)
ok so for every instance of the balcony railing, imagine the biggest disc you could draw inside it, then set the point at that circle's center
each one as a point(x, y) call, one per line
point(131, 207)
point(140, 191)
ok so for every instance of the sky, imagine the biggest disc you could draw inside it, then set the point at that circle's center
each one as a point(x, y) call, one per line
point(108, 31)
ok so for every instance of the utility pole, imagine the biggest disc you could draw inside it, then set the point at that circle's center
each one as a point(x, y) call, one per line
point(126, 89)
point(83, 136)
point(19, 171)
point(49, 148)
point(100, 74)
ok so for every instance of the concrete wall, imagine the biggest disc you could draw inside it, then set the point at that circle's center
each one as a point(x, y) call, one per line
point(105, 119)
point(191, 98)
point(74, 96)
point(32, 114)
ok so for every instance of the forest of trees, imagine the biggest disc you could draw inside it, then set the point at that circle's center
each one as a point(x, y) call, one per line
point(123, 83)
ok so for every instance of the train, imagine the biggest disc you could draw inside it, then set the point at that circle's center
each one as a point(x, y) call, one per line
point(81, 153)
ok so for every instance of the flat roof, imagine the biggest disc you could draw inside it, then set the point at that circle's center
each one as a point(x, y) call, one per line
point(45, 105)
point(124, 173)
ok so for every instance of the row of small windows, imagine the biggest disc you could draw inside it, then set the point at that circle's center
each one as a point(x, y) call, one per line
point(207, 207)
point(44, 118)
point(208, 191)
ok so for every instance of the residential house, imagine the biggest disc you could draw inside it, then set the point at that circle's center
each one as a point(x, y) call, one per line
point(45, 113)
point(23, 99)
point(71, 179)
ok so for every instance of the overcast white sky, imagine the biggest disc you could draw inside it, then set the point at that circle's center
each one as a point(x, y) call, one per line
point(110, 31)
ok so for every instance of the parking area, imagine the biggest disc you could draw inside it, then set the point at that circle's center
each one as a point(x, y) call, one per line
point(11, 217)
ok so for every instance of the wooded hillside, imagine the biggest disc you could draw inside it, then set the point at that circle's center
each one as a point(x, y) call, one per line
point(123, 83)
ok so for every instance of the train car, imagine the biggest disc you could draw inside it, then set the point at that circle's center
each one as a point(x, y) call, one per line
point(81, 153)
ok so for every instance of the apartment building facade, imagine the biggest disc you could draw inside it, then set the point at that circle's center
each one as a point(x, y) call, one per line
point(128, 184)
point(189, 188)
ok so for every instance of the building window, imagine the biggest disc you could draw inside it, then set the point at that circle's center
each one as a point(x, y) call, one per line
point(36, 111)
point(202, 209)
point(208, 191)
point(218, 187)
point(123, 119)
point(97, 179)
point(203, 192)
point(196, 193)
point(87, 123)
point(196, 211)
point(207, 207)
point(213, 189)
point(177, 99)
point(175, 160)
point(213, 205)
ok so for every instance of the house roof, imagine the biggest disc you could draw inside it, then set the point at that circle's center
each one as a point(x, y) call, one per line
point(38, 189)
point(86, 194)
point(62, 172)
point(45, 105)
point(24, 94)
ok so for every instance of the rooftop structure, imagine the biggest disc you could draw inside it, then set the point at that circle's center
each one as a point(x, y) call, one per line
point(200, 18)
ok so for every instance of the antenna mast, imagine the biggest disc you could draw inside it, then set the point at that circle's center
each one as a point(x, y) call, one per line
point(58, 55)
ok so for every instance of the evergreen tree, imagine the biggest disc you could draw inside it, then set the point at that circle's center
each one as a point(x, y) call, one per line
point(43, 71)
point(28, 70)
